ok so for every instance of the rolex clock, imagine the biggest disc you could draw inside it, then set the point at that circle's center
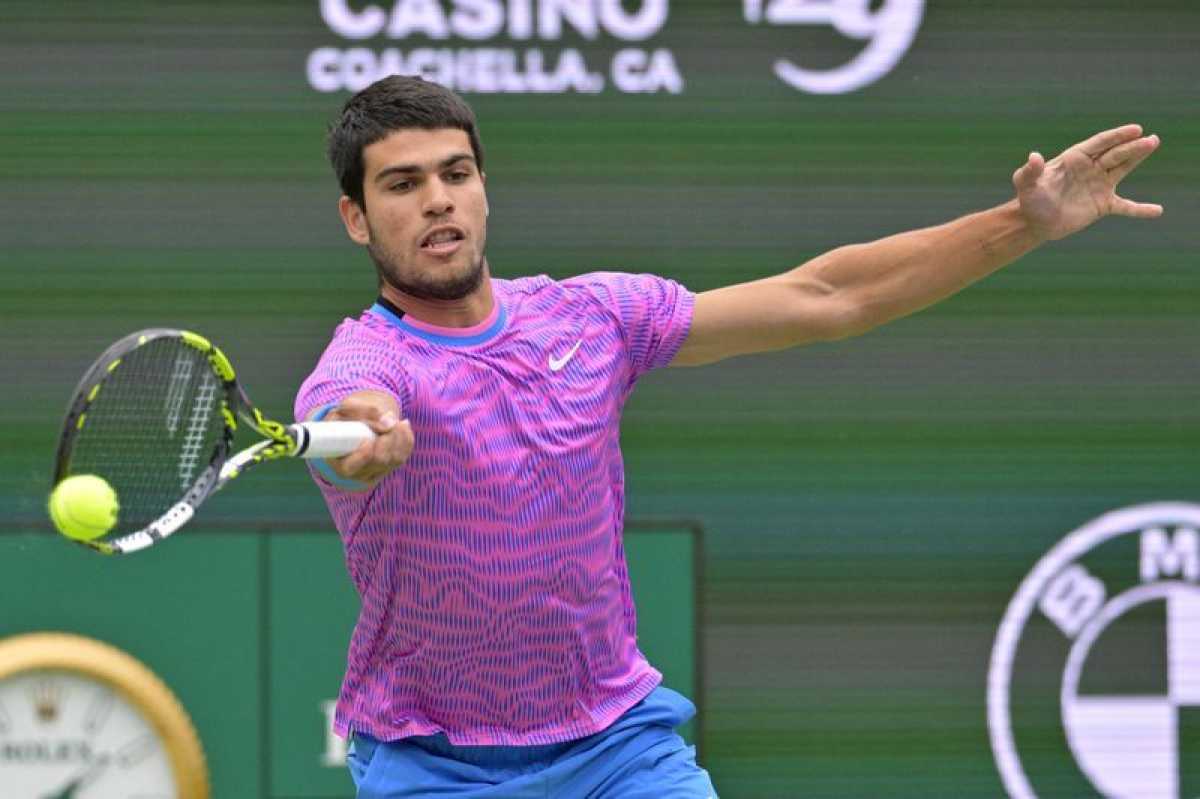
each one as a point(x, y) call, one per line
point(80, 719)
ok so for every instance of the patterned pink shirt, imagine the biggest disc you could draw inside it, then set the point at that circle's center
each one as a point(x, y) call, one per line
point(496, 605)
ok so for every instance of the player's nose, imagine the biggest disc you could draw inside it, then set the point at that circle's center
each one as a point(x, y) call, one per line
point(438, 201)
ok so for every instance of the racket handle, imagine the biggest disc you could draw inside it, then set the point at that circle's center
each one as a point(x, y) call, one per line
point(329, 439)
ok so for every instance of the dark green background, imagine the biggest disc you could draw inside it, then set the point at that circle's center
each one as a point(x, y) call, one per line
point(228, 617)
point(871, 505)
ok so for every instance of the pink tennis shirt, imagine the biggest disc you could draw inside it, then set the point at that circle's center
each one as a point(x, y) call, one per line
point(496, 605)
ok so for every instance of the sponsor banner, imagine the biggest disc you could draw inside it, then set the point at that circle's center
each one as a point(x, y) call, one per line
point(1097, 662)
point(516, 46)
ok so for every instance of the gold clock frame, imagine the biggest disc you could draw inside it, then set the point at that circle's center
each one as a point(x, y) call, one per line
point(132, 680)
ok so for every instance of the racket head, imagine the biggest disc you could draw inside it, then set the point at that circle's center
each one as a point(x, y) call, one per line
point(154, 416)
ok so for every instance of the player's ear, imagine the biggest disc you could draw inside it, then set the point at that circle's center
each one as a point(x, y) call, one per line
point(355, 220)
point(483, 178)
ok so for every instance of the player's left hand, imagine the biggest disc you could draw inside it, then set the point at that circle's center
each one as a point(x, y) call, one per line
point(1070, 192)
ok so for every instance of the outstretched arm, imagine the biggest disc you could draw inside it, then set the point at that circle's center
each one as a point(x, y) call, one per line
point(853, 289)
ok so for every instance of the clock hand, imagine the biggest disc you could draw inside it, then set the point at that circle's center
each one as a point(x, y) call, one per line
point(89, 774)
point(66, 792)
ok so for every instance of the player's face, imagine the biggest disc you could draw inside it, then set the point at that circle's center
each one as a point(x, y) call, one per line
point(425, 222)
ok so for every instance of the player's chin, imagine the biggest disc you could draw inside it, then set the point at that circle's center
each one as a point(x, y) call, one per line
point(451, 268)
point(452, 281)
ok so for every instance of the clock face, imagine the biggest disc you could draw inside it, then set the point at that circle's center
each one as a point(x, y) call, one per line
point(65, 735)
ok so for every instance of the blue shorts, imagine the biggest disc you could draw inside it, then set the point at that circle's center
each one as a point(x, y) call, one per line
point(639, 756)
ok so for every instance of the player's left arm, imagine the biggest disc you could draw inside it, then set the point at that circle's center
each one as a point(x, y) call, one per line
point(852, 289)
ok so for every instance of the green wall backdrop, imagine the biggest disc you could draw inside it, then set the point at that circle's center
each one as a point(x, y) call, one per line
point(871, 505)
point(249, 627)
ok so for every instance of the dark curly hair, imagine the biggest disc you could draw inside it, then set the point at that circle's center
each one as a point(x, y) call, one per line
point(386, 106)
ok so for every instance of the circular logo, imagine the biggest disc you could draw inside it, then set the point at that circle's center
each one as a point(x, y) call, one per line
point(1094, 682)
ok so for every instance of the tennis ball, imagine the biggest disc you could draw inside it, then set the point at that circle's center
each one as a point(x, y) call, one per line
point(84, 507)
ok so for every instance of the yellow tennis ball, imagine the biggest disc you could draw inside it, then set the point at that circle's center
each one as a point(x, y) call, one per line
point(84, 507)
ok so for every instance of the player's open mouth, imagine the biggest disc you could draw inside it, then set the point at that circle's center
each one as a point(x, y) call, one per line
point(442, 240)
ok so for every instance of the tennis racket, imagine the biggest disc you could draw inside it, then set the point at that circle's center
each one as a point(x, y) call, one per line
point(155, 416)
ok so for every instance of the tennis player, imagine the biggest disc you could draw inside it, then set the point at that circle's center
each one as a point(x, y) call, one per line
point(495, 654)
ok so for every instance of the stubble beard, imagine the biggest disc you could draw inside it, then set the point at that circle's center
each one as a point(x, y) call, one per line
point(422, 286)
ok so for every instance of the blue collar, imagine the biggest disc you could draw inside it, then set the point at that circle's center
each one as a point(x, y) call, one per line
point(395, 316)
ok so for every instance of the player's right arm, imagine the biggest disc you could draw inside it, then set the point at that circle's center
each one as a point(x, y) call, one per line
point(373, 460)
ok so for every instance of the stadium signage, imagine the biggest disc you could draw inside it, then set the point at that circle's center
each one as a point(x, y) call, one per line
point(515, 46)
point(481, 61)
point(1117, 604)
point(889, 31)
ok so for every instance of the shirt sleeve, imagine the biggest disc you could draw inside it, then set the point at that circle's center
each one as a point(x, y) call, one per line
point(654, 313)
point(352, 363)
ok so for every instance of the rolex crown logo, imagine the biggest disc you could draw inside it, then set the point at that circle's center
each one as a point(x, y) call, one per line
point(47, 697)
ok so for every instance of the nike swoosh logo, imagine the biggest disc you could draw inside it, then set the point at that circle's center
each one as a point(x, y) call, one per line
point(558, 363)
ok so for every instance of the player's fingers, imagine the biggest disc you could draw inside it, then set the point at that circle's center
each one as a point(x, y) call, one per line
point(361, 411)
point(1105, 140)
point(392, 449)
point(1140, 151)
point(1123, 152)
point(374, 459)
point(383, 422)
point(355, 465)
point(398, 445)
point(1027, 176)
point(365, 406)
point(351, 409)
point(1123, 207)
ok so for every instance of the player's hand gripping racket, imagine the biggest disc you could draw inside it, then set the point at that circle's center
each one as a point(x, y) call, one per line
point(155, 417)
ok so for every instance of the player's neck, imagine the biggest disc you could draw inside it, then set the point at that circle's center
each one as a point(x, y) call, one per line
point(465, 312)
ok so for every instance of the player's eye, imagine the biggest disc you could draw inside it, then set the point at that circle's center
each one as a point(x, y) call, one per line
point(458, 176)
point(401, 185)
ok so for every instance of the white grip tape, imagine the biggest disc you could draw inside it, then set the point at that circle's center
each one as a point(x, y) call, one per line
point(334, 439)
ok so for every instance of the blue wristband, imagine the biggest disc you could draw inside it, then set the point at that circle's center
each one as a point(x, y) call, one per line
point(323, 411)
point(322, 466)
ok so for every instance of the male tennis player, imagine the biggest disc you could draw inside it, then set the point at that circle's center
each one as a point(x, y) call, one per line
point(495, 654)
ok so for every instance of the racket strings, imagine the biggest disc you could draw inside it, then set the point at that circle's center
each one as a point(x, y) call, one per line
point(152, 429)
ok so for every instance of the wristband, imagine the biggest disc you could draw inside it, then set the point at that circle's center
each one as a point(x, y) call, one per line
point(322, 466)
